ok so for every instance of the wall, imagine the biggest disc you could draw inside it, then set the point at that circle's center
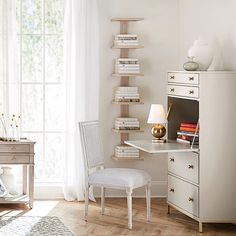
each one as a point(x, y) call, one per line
point(158, 33)
point(213, 20)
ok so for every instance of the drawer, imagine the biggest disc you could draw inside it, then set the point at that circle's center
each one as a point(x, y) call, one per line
point(182, 91)
point(183, 78)
point(183, 195)
point(184, 164)
point(12, 148)
point(15, 159)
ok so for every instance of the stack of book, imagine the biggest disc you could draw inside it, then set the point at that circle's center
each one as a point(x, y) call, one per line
point(127, 94)
point(188, 133)
point(126, 40)
point(127, 66)
point(126, 152)
point(125, 123)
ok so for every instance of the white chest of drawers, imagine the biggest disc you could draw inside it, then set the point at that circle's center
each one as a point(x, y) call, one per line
point(202, 185)
point(20, 153)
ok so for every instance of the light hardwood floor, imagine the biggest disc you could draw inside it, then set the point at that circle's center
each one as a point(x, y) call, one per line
point(114, 222)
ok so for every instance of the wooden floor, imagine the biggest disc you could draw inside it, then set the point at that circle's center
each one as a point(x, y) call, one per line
point(114, 222)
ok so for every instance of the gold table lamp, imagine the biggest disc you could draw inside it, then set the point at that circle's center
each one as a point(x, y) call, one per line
point(157, 117)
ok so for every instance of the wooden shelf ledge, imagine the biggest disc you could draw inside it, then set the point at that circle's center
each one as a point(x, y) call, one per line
point(127, 46)
point(127, 19)
point(127, 158)
point(127, 103)
point(128, 131)
point(127, 75)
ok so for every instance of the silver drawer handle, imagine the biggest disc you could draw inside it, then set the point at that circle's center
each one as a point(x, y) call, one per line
point(191, 91)
point(191, 78)
point(172, 190)
point(190, 166)
point(172, 77)
point(172, 90)
point(172, 159)
point(190, 199)
point(13, 148)
point(13, 158)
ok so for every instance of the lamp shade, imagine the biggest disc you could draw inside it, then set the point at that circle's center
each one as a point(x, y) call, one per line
point(157, 114)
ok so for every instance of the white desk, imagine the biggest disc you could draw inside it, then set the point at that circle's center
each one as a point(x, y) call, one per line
point(155, 148)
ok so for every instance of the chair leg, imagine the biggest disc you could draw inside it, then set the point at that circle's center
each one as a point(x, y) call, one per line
point(148, 201)
point(102, 200)
point(86, 203)
point(129, 203)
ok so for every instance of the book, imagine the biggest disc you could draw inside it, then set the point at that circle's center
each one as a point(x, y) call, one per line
point(126, 119)
point(186, 133)
point(126, 147)
point(188, 129)
point(188, 125)
point(127, 100)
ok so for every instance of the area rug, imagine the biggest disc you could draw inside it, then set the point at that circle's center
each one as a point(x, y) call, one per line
point(33, 226)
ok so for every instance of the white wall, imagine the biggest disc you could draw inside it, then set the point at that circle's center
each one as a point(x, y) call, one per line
point(158, 33)
point(213, 20)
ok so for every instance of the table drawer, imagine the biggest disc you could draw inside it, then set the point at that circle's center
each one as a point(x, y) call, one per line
point(15, 148)
point(15, 159)
point(183, 91)
point(184, 78)
point(183, 195)
point(184, 164)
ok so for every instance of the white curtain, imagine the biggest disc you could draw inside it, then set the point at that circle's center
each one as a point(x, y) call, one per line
point(9, 79)
point(81, 73)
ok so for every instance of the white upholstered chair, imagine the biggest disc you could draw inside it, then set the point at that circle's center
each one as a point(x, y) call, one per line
point(115, 178)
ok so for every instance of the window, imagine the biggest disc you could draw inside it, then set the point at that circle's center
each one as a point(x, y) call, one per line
point(40, 44)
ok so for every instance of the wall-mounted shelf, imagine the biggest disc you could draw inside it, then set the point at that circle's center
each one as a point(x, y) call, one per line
point(127, 19)
point(127, 103)
point(124, 81)
point(128, 131)
point(127, 75)
point(127, 158)
point(127, 47)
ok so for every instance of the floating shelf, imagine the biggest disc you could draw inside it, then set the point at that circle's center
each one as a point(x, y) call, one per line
point(127, 103)
point(127, 131)
point(127, 19)
point(127, 75)
point(127, 158)
point(127, 47)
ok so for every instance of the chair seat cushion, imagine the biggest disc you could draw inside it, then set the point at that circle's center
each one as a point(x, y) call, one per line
point(120, 178)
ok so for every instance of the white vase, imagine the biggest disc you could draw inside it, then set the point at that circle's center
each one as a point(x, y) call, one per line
point(202, 54)
point(9, 180)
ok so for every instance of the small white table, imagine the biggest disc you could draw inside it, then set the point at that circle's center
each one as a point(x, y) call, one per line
point(155, 148)
point(20, 153)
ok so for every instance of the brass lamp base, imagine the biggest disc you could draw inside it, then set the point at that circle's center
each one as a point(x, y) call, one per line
point(158, 132)
point(156, 140)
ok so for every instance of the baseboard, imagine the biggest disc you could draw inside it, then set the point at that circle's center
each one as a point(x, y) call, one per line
point(54, 192)
point(158, 189)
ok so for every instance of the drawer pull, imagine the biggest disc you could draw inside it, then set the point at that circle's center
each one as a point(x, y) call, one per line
point(172, 159)
point(190, 166)
point(172, 190)
point(191, 91)
point(172, 77)
point(13, 148)
point(191, 78)
point(190, 199)
point(172, 90)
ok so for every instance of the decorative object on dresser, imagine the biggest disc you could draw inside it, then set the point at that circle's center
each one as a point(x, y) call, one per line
point(125, 94)
point(19, 153)
point(190, 65)
point(113, 178)
point(202, 53)
point(157, 117)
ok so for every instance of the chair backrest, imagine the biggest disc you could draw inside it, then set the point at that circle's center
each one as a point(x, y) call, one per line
point(91, 144)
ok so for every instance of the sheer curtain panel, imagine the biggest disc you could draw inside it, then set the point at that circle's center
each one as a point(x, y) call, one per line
point(9, 84)
point(81, 71)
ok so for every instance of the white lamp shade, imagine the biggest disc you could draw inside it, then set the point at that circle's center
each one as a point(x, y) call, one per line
point(157, 114)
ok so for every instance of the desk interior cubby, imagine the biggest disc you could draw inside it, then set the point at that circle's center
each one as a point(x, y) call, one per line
point(182, 110)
